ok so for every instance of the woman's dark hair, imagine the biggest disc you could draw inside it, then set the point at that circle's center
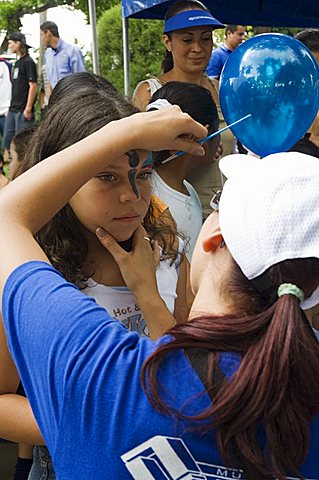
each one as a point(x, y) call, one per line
point(193, 99)
point(174, 9)
point(274, 394)
point(84, 106)
point(21, 141)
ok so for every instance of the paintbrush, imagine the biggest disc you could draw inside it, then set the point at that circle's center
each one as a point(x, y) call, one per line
point(181, 152)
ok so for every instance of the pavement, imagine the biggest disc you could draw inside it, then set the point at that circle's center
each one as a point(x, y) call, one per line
point(8, 457)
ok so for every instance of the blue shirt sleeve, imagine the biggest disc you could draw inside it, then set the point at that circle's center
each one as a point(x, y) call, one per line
point(77, 61)
point(215, 65)
point(62, 340)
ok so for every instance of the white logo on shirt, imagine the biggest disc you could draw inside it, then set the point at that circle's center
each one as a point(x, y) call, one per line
point(169, 458)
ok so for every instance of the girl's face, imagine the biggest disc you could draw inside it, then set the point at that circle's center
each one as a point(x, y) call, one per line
point(108, 200)
point(191, 48)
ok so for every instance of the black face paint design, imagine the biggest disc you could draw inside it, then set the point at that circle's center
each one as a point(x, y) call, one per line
point(133, 161)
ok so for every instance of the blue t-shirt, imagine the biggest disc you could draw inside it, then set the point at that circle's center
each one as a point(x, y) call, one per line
point(62, 61)
point(217, 61)
point(81, 372)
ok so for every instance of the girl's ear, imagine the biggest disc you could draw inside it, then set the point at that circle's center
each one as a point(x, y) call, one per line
point(213, 241)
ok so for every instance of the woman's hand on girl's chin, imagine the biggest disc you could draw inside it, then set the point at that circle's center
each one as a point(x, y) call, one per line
point(166, 129)
point(138, 267)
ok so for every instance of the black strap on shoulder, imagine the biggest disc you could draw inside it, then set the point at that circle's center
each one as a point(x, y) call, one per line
point(198, 359)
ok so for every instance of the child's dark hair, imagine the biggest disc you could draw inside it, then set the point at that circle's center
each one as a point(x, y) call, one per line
point(174, 9)
point(192, 99)
point(80, 111)
point(21, 141)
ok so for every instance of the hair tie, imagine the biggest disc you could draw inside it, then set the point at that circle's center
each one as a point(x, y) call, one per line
point(158, 104)
point(290, 289)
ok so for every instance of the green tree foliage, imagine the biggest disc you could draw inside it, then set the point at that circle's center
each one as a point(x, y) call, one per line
point(146, 48)
point(11, 11)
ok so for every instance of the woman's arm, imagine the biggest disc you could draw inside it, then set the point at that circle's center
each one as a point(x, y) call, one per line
point(9, 378)
point(17, 422)
point(185, 295)
point(141, 96)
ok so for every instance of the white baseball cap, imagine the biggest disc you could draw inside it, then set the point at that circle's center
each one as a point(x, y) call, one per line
point(269, 211)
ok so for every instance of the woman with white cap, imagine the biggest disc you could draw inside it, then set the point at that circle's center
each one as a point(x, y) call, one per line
point(188, 41)
point(233, 393)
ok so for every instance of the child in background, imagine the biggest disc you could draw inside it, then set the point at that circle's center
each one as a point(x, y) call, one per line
point(3, 179)
point(169, 179)
point(18, 148)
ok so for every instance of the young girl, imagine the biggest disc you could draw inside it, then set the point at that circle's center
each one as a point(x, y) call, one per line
point(232, 393)
point(169, 179)
point(109, 199)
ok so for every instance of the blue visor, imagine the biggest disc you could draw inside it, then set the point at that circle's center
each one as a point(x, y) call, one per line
point(190, 19)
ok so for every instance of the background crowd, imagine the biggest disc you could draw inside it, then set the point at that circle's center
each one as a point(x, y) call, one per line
point(156, 209)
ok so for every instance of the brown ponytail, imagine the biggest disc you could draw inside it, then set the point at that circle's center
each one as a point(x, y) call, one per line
point(275, 392)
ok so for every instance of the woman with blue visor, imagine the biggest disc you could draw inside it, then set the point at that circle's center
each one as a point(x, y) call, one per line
point(188, 41)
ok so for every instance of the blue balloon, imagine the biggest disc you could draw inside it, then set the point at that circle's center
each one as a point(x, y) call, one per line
point(276, 79)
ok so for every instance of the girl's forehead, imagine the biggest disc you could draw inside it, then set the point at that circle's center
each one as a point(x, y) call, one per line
point(122, 163)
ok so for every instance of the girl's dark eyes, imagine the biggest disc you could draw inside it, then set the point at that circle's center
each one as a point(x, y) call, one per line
point(108, 177)
point(144, 175)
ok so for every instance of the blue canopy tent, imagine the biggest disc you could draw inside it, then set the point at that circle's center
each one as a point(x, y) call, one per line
point(274, 13)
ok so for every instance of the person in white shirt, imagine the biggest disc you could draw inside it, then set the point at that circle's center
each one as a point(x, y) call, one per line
point(169, 179)
point(5, 93)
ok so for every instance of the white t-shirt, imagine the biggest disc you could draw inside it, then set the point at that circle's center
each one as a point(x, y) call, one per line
point(120, 301)
point(185, 209)
point(5, 88)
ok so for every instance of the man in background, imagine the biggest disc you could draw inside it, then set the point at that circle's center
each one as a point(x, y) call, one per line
point(61, 58)
point(310, 38)
point(24, 90)
point(234, 35)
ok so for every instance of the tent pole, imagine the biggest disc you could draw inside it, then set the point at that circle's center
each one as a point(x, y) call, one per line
point(126, 55)
point(95, 54)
